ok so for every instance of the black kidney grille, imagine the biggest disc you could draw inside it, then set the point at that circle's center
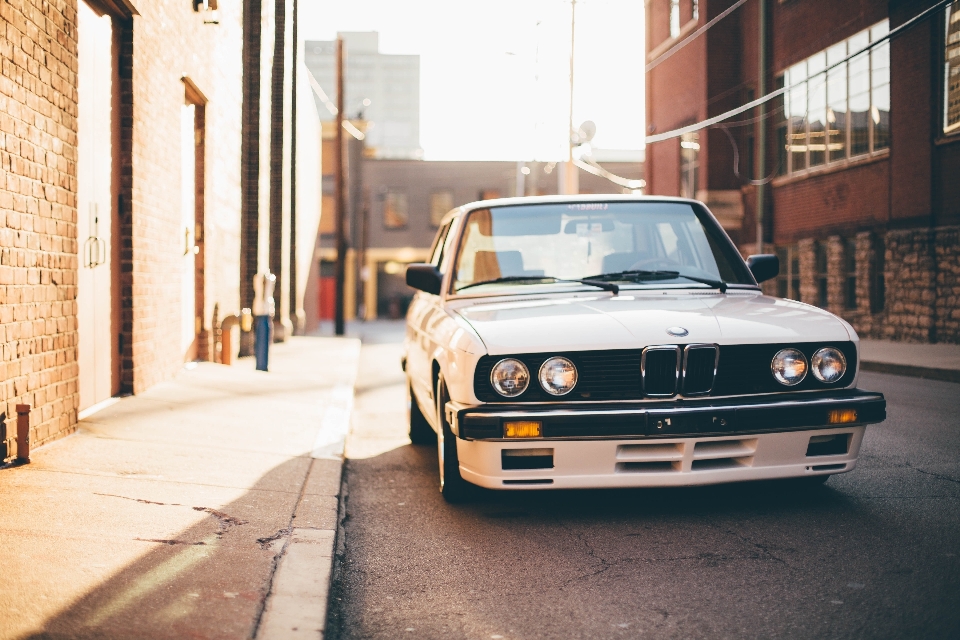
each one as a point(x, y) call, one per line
point(660, 372)
point(698, 368)
point(615, 374)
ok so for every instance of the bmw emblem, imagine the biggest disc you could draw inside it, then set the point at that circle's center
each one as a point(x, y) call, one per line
point(677, 332)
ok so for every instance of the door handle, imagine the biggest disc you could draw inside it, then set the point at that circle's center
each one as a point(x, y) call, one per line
point(94, 252)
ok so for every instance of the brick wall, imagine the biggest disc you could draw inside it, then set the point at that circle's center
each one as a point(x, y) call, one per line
point(837, 201)
point(38, 247)
point(257, 57)
point(170, 40)
point(38, 216)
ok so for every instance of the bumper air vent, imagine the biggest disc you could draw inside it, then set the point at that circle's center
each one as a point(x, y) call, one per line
point(517, 459)
point(832, 445)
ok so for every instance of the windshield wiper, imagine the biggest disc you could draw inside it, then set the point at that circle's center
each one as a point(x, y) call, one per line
point(606, 286)
point(641, 275)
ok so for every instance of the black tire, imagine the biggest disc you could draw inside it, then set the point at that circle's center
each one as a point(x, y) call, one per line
point(420, 430)
point(452, 485)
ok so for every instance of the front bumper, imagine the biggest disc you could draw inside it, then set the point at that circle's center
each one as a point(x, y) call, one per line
point(687, 417)
point(683, 442)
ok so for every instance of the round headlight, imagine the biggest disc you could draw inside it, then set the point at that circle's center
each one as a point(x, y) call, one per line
point(558, 376)
point(828, 364)
point(510, 377)
point(789, 367)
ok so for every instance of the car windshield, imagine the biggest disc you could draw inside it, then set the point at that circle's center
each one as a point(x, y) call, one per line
point(635, 243)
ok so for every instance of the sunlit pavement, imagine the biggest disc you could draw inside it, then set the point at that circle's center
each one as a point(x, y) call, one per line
point(873, 553)
point(167, 515)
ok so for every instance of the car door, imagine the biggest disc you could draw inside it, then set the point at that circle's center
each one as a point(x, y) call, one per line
point(422, 310)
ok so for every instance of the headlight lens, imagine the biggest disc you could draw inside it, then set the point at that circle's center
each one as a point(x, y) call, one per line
point(558, 376)
point(789, 367)
point(828, 364)
point(510, 377)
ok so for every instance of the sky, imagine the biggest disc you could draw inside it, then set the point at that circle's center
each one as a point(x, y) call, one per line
point(494, 74)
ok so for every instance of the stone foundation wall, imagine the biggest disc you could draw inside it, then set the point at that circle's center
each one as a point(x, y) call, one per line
point(947, 305)
point(907, 283)
point(910, 276)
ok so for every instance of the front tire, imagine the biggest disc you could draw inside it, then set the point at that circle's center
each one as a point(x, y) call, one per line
point(420, 430)
point(452, 485)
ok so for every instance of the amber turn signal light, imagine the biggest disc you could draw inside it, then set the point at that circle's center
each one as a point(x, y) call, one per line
point(522, 429)
point(841, 416)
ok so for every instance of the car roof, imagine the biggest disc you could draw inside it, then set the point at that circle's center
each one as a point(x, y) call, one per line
point(590, 197)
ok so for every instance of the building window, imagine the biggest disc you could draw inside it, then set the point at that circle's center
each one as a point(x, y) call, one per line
point(674, 18)
point(820, 276)
point(441, 202)
point(788, 280)
point(689, 164)
point(831, 116)
point(850, 274)
point(951, 70)
point(696, 9)
point(395, 210)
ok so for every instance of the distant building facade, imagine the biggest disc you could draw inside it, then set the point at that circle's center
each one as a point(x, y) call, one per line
point(391, 84)
point(860, 195)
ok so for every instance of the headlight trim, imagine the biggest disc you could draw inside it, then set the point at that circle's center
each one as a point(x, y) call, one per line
point(778, 374)
point(543, 382)
point(521, 386)
point(818, 355)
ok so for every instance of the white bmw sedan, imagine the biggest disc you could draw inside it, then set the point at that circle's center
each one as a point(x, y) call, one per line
point(620, 341)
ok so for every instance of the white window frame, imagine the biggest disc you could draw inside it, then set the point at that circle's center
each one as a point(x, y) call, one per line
point(820, 78)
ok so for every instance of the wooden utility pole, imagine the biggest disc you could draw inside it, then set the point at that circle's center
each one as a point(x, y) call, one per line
point(341, 198)
point(570, 178)
point(761, 122)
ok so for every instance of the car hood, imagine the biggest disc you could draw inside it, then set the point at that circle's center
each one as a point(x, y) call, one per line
point(637, 319)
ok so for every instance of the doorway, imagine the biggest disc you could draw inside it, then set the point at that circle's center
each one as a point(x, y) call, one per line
point(97, 309)
point(194, 334)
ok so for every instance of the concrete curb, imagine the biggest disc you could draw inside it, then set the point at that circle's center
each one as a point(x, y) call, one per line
point(296, 606)
point(947, 375)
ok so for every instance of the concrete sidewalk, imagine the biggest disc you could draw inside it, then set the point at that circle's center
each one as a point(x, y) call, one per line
point(205, 507)
point(933, 361)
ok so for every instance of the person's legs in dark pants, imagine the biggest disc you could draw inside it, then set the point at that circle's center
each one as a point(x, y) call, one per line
point(261, 334)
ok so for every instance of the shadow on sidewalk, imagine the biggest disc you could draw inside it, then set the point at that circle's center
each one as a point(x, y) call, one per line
point(209, 581)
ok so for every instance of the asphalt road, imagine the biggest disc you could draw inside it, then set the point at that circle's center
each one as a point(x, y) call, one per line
point(872, 554)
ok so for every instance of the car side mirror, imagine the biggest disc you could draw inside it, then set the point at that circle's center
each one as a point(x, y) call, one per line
point(764, 266)
point(425, 277)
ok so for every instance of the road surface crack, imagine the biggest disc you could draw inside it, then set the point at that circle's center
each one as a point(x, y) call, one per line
point(171, 542)
point(265, 542)
point(935, 475)
point(224, 522)
point(140, 500)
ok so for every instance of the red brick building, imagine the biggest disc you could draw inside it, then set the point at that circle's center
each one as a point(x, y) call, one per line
point(858, 179)
point(134, 161)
